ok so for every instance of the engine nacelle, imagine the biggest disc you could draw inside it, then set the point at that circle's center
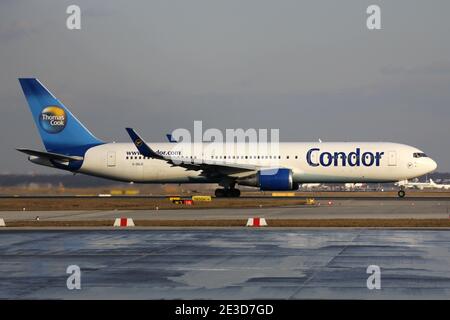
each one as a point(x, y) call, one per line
point(272, 180)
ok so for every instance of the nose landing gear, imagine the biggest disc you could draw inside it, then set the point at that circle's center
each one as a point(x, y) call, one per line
point(401, 193)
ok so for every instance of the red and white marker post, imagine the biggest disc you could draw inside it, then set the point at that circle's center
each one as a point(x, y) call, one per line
point(124, 222)
point(257, 222)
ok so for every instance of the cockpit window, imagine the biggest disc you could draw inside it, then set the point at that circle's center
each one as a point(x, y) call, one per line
point(419, 155)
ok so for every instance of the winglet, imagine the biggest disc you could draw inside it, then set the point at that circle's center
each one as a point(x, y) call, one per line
point(170, 138)
point(140, 144)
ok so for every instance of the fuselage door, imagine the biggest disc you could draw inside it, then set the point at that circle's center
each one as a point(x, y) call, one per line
point(392, 158)
point(111, 159)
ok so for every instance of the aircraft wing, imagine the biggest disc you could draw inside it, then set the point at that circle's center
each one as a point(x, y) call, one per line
point(49, 155)
point(208, 168)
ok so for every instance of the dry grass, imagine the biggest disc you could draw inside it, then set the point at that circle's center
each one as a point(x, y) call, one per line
point(135, 204)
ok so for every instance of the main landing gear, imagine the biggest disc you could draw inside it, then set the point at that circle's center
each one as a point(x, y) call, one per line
point(227, 193)
point(401, 193)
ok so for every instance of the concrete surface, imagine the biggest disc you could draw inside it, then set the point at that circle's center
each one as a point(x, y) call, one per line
point(225, 264)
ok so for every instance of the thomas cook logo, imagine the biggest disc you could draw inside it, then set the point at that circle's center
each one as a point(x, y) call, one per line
point(53, 119)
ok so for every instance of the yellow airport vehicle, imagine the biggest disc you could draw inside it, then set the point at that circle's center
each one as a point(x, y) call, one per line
point(132, 192)
point(202, 198)
point(174, 198)
point(283, 194)
point(116, 192)
point(310, 201)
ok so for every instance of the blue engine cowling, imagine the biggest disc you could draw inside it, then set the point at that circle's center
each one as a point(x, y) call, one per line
point(276, 180)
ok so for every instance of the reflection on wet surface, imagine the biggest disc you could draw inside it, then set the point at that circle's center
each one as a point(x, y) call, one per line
point(225, 264)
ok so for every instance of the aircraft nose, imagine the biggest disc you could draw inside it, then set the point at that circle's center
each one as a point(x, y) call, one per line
point(433, 165)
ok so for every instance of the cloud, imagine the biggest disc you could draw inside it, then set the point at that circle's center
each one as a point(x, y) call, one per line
point(435, 68)
point(160, 65)
point(17, 30)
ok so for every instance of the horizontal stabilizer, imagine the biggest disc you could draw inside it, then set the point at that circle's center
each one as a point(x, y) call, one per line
point(50, 155)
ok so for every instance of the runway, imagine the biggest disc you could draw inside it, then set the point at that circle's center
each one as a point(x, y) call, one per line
point(225, 264)
point(336, 209)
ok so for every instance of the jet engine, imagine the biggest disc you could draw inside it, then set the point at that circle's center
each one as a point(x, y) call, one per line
point(278, 179)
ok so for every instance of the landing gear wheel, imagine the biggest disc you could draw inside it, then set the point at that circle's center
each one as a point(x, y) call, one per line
point(229, 193)
point(401, 193)
point(234, 193)
point(220, 193)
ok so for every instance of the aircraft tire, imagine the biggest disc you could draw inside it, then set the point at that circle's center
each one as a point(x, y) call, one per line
point(228, 193)
point(220, 193)
point(234, 193)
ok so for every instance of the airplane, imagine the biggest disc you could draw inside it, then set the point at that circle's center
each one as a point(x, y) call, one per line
point(70, 146)
point(310, 186)
point(353, 186)
point(440, 186)
point(414, 185)
point(422, 185)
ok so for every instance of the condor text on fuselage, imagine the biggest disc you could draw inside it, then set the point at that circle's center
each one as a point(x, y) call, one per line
point(343, 159)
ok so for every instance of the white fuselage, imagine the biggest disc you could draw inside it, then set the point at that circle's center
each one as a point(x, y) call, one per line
point(310, 162)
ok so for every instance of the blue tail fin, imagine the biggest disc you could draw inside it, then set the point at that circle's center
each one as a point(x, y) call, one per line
point(60, 131)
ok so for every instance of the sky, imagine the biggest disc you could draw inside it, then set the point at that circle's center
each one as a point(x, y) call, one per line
point(311, 69)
